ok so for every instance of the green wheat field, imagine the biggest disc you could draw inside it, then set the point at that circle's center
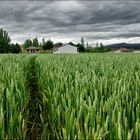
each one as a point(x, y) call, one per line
point(81, 96)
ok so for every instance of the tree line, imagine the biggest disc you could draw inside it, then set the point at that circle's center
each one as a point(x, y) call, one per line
point(7, 47)
point(85, 47)
point(5, 44)
point(82, 46)
point(49, 44)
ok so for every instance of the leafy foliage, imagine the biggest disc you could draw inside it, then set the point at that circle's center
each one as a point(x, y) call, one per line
point(5, 46)
point(80, 47)
point(28, 43)
point(58, 44)
point(48, 45)
point(97, 50)
point(35, 42)
point(4, 41)
point(15, 48)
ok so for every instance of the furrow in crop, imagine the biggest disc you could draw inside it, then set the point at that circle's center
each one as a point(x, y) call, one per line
point(34, 101)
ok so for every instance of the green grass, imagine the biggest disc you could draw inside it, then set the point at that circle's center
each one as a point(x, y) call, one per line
point(12, 96)
point(90, 96)
point(83, 96)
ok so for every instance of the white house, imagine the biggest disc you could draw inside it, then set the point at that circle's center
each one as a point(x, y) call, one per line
point(65, 49)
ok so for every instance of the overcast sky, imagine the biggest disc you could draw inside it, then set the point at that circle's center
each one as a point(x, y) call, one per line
point(106, 21)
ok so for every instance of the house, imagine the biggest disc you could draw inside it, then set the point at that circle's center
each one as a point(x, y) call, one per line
point(123, 50)
point(32, 49)
point(126, 50)
point(65, 49)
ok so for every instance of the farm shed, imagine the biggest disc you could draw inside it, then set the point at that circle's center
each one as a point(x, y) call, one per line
point(32, 49)
point(65, 49)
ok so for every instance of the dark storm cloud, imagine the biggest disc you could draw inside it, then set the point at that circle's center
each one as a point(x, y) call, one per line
point(71, 19)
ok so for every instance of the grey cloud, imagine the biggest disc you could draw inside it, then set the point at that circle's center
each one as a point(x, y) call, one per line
point(94, 20)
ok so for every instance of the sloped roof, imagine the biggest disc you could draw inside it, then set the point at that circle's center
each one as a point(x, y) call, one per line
point(64, 46)
point(57, 45)
point(33, 48)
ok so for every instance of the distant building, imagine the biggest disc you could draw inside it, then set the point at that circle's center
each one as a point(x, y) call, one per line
point(123, 50)
point(32, 49)
point(65, 49)
point(126, 50)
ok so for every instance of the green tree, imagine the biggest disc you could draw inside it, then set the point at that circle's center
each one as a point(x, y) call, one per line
point(48, 45)
point(28, 43)
point(101, 45)
point(97, 45)
point(82, 41)
point(71, 43)
point(4, 41)
point(43, 41)
point(35, 42)
point(57, 44)
point(80, 47)
point(15, 48)
point(87, 45)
